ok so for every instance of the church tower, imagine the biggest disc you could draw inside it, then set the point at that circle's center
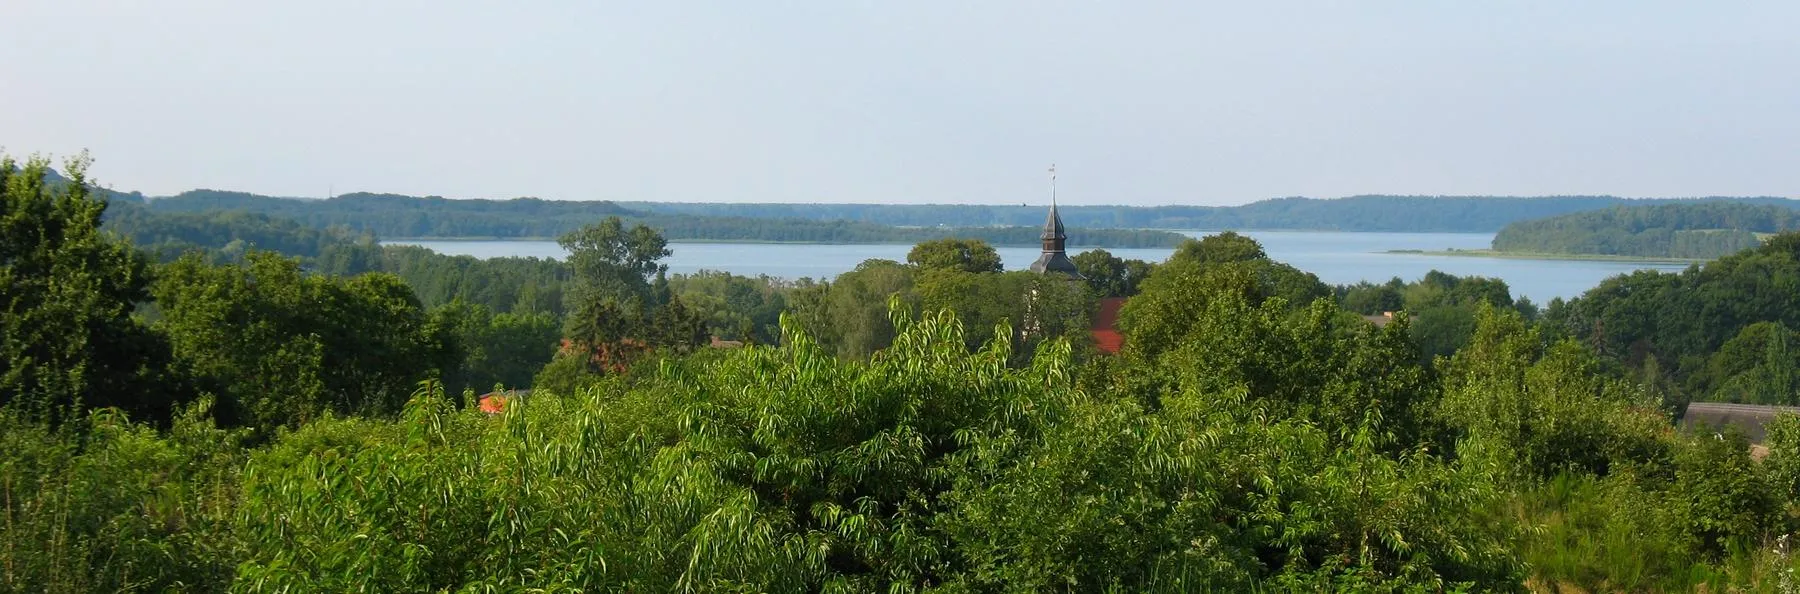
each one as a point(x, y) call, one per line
point(1054, 259)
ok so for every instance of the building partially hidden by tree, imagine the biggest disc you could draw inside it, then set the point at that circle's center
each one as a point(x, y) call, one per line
point(1055, 260)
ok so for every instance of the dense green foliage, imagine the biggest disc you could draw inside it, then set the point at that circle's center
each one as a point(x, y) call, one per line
point(967, 255)
point(115, 506)
point(389, 215)
point(1158, 319)
point(1469, 214)
point(936, 426)
point(745, 309)
point(1309, 454)
point(228, 235)
point(520, 285)
point(67, 292)
point(1718, 331)
point(617, 314)
point(282, 347)
point(1109, 275)
point(1701, 231)
point(1442, 307)
point(850, 316)
point(484, 349)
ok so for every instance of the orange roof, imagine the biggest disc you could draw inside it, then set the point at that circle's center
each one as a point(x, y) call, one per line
point(1105, 326)
point(494, 403)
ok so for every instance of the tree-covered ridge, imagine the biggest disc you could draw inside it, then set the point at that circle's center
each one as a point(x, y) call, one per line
point(1471, 214)
point(393, 215)
point(231, 233)
point(390, 215)
point(1698, 231)
point(1718, 331)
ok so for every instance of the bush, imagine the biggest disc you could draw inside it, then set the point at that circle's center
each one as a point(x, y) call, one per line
point(107, 505)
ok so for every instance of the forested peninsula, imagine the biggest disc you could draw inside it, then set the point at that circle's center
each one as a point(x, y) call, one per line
point(1683, 230)
point(393, 215)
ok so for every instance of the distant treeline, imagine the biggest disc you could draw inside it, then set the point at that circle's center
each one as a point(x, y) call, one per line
point(1470, 214)
point(1703, 230)
point(389, 215)
point(228, 233)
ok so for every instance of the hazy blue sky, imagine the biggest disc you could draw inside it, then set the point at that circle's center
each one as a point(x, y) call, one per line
point(1137, 102)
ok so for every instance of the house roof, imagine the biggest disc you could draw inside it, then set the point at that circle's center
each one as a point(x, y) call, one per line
point(1105, 326)
point(1380, 321)
point(1747, 417)
point(494, 403)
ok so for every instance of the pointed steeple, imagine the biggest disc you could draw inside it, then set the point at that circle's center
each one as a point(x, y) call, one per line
point(1054, 236)
point(1054, 260)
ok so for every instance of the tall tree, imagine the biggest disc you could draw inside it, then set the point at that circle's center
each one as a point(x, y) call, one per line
point(619, 311)
point(1172, 296)
point(504, 348)
point(67, 292)
point(280, 346)
point(967, 255)
point(611, 262)
point(1222, 247)
point(1109, 275)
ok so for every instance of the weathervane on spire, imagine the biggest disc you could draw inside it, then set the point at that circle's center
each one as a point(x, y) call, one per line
point(1055, 258)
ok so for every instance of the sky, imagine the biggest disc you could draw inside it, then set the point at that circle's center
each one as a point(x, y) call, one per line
point(1207, 103)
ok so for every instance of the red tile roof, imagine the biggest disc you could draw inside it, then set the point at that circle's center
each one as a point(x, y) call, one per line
point(1105, 326)
point(494, 403)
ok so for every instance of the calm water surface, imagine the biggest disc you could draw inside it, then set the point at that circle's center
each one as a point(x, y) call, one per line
point(1336, 257)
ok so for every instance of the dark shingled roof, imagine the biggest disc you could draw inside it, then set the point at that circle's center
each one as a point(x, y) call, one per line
point(1054, 259)
point(1750, 418)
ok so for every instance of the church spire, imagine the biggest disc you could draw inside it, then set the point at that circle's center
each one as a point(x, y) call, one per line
point(1054, 259)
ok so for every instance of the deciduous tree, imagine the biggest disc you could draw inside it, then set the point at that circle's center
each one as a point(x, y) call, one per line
point(68, 340)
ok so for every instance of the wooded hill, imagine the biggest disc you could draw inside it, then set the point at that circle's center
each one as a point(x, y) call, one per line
point(1376, 213)
point(1693, 230)
point(393, 215)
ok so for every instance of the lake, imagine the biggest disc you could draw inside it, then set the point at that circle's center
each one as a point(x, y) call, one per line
point(1336, 257)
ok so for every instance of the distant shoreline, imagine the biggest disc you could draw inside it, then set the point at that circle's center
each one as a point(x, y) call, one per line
point(553, 240)
point(1546, 256)
point(417, 240)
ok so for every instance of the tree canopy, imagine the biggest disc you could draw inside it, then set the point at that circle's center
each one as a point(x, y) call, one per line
point(1109, 275)
point(1680, 324)
point(67, 292)
point(967, 255)
point(1697, 230)
point(923, 427)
